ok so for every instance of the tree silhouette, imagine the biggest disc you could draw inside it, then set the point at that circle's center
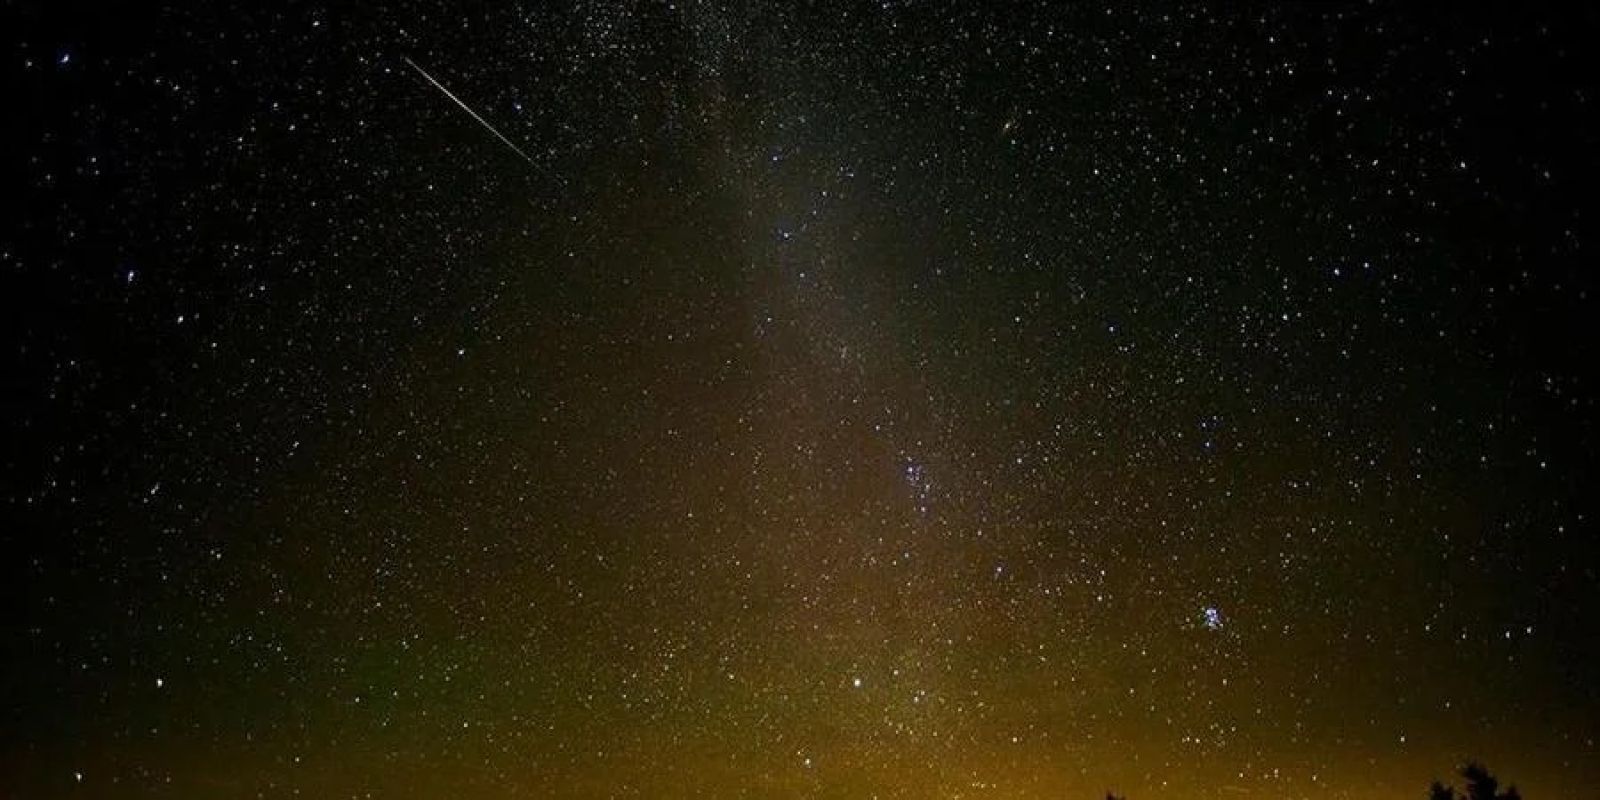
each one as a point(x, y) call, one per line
point(1480, 785)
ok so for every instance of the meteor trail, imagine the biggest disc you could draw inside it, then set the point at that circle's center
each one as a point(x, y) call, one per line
point(468, 109)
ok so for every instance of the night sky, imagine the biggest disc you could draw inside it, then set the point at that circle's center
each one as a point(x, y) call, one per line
point(770, 400)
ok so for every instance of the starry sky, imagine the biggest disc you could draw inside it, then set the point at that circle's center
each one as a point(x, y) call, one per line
point(771, 400)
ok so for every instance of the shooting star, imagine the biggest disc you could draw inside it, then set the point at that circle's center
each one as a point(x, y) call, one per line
point(468, 109)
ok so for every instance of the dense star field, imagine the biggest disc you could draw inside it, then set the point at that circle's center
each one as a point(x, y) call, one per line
point(773, 400)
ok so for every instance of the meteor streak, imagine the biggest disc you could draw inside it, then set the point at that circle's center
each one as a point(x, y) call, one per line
point(468, 109)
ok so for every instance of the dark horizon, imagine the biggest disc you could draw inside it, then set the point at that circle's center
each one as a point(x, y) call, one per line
point(710, 399)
